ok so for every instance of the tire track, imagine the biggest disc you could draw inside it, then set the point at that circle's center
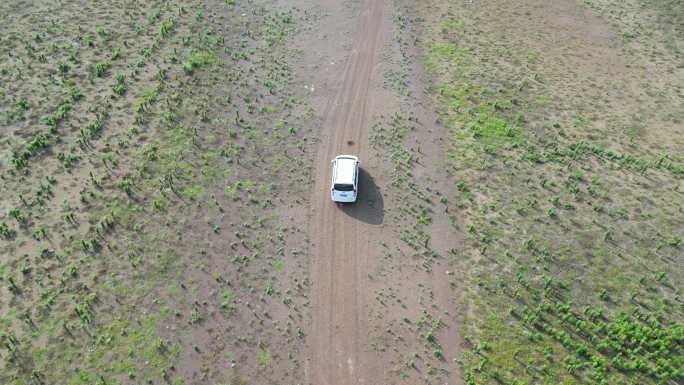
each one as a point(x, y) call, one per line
point(340, 235)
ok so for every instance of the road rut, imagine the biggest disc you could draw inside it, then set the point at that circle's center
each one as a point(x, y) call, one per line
point(340, 235)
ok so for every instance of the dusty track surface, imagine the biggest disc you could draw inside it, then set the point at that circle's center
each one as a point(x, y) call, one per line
point(340, 235)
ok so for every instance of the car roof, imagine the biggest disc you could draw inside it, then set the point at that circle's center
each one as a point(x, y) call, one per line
point(346, 156)
point(346, 167)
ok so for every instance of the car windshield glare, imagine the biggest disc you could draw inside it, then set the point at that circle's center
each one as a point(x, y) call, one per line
point(343, 187)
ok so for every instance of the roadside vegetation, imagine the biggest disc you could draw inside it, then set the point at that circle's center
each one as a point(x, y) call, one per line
point(415, 281)
point(142, 237)
point(565, 149)
point(416, 321)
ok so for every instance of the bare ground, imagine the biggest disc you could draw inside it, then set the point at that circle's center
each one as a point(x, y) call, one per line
point(341, 235)
point(179, 229)
point(353, 273)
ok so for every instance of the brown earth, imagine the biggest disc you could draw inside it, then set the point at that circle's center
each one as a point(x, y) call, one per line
point(340, 234)
point(224, 260)
point(205, 265)
point(350, 273)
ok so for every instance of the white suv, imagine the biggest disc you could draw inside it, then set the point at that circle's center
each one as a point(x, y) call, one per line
point(345, 179)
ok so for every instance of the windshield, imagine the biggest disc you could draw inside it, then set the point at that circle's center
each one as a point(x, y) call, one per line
point(344, 187)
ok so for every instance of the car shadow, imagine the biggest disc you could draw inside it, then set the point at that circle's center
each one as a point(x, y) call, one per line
point(369, 206)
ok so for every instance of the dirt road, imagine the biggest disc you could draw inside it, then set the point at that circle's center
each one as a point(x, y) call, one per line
point(340, 235)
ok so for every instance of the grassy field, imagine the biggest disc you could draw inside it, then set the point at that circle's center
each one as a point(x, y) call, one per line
point(140, 225)
point(565, 127)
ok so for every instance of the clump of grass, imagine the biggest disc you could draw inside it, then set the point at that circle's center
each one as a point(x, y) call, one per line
point(265, 358)
point(167, 27)
point(40, 141)
point(6, 232)
point(19, 216)
point(227, 301)
point(145, 101)
point(126, 185)
point(63, 68)
point(39, 233)
point(68, 160)
point(196, 315)
point(74, 93)
point(100, 69)
point(199, 59)
point(120, 86)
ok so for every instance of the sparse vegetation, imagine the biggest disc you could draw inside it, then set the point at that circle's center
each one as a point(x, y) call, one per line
point(106, 277)
point(155, 175)
point(561, 264)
